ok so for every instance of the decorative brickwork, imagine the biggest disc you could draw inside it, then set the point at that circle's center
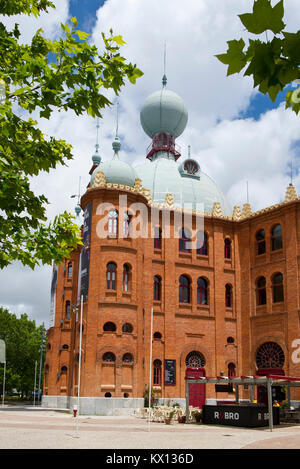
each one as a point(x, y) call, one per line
point(115, 358)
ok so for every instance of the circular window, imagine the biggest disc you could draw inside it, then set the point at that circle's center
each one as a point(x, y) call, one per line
point(127, 328)
point(191, 167)
point(109, 357)
point(230, 340)
point(157, 335)
point(109, 327)
point(195, 360)
point(126, 394)
point(270, 355)
point(127, 358)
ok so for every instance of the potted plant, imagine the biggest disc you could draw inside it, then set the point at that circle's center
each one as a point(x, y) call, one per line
point(198, 416)
point(169, 417)
point(181, 418)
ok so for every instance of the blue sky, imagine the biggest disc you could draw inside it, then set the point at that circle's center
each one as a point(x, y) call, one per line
point(85, 12)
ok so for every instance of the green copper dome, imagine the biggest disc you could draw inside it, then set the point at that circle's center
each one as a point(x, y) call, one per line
point(164, 175)
point(115, 170)
point(164, 111)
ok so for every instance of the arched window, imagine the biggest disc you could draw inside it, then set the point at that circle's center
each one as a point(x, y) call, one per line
point(126, 224)
point(126, 277)
point(112, 222)
point(231, 370)
point(109, 327)
point(157, 335)
point(184, 241)
point(107, 394)
point(111, 270)
point(261, 292)
point(202, 244)
point(269, 355)
point(184, 289)
point(202, 298)
point(127, 328)
point(276, 237)
point(157, 238)
point(108, 357)
point(64, 369)
point(260, 242)
point(228, 295)
point(227, 248)
point(70, 270)
point(157, 373)
point(195, 360)
point(277, 287)
point(157, 288)
point(68, 309)
point(127, 358)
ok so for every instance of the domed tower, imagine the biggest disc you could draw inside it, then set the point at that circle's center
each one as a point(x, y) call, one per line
point(163, 117)
point(115, 170)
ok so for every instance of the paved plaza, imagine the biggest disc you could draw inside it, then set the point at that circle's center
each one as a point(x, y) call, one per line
point(31, 427)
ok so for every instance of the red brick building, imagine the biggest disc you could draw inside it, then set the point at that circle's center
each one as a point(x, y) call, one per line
point(227, 303)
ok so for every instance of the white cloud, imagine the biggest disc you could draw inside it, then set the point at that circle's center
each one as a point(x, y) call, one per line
point(49, 22)
point(231, 150)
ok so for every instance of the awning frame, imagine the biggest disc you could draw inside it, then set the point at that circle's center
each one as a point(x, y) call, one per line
point(268, 381)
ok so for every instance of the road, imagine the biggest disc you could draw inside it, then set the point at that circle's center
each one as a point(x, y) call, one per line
point(37, 428)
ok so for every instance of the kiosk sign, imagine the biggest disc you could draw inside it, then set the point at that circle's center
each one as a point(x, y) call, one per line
point(240, 416)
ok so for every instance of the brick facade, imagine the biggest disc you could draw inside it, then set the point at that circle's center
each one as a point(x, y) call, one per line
point(222, 334)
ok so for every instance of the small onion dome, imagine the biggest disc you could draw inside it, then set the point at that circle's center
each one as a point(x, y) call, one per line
point(164, 111)
point(77, 210)
point(115, 170)
point(96, 158)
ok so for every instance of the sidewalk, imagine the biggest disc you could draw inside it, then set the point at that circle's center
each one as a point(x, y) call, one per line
point(37, 428)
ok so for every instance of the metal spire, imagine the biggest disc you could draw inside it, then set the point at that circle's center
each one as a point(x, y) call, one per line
point(77, 208)
point(97, 139)
point(164, 79)
point(116, 143)
point(117, 119)
point(96, 157)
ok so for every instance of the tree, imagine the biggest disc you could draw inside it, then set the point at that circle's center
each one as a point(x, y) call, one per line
point(44, 76)
point(23, 340)
point(273, 63)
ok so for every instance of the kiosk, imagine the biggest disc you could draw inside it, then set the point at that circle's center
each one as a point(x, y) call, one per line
point(243, 414)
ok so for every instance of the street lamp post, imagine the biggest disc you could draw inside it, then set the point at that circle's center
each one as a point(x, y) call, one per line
point(41, 360)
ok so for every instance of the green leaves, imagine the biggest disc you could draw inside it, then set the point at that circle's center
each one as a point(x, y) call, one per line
point(273, 64)
point(23, 340)
point(235, 57)
point(28, 7)
point(264, 17)
point(46, 76)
